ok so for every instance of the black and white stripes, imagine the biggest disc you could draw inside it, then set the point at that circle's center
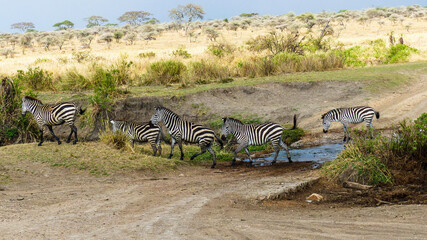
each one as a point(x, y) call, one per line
point(255, 134)
point(51, 115)
point(146, 132)
point(181, 130)
point(350, 115)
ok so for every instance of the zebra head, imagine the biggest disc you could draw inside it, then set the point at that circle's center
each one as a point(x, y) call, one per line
point(28, 104)
point(326, 121)
point(228, 126)
point(117, 125)
point(158, 116)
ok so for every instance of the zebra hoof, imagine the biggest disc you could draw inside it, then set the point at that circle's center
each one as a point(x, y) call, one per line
point(213, 166)
point(170, 156)
point(39, 144)
point(74, 143)
point(59, 142)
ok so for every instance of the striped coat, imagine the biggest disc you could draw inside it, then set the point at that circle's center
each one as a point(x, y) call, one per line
point(146, 132)
point(51, 115)
point(350, 115)
point(182, 130)
point(255, 134)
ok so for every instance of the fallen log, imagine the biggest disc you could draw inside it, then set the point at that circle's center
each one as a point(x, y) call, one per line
point(355, 185)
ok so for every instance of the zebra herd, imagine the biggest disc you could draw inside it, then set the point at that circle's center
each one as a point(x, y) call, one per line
point(181, 130)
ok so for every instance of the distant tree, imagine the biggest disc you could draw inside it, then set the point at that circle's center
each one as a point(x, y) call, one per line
point(211, 34)
point(152, 21)
point(64, 25)
point(135, 18)
point(118, 35)
point(93, 21)
point(186, 14)
point(25, 41)
point(48, 41)
point(23, 26)
point(107, 37)
point(248, 15)
point(111, 25)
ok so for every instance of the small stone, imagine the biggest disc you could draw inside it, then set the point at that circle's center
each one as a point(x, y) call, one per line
point(181, 175)
point(315, 197)
point(20, 198)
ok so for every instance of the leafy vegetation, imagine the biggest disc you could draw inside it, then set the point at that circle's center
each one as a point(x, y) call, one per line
point(400, 159)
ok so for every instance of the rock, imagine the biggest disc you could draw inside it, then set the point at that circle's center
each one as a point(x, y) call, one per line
point(314, 197)
point(181, 175)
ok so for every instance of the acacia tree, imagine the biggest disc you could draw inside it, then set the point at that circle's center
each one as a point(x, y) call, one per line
point(135, 18)
point(94, 21)
point(64, 25)
point(186, 14)
point(23, 26)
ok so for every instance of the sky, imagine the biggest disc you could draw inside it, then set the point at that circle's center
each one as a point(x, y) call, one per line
point(45, 13)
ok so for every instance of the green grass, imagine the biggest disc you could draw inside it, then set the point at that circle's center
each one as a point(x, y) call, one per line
point(378, 77)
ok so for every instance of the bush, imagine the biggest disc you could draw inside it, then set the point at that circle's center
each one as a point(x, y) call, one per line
point(147, 55)
point(291, 136)
point(401, 159)
point(203, 72)
point(74, 81)
point(220, 49)
point(181, 53)
point(82, 56)
point(35, 79)
point(121, 72)
point(164, 72)
point(398, 53)
point(105, 89)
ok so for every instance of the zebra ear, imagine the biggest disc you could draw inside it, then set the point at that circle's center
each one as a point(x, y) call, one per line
point(223, 119)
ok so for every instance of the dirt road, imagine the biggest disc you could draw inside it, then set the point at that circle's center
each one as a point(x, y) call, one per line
point(192, 203)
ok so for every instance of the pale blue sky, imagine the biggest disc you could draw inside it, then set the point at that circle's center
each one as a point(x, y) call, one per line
point(45, 13)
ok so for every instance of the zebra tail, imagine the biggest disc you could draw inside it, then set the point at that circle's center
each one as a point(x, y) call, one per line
point(81, 110)
point(295, 123)
point(377, 114)
point(221, 143)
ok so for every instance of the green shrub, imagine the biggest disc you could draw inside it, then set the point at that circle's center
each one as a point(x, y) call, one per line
point(82, 56)
point(181, 53)
point(398, 53)
point(384, 160)
point(121, 71)
point(147, 55)
point(220, 49)
point(164, 72)
point(74, 81)
point(353, 57)
point(105, 89)
point(35, 79)
point(203, 72)
point(291, 136)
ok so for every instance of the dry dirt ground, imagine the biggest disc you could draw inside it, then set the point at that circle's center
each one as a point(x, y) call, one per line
point(200, 203)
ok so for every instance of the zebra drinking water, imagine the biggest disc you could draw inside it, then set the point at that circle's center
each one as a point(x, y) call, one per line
point(180, 130)
point(350, 115)
point(255, 134)
point(146, 132)
point(51, 115)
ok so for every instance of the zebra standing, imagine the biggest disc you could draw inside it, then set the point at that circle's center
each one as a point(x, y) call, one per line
point(255, 134)
point(180, 130)
point(350, 115)
point(146, 132)
point(51, 115)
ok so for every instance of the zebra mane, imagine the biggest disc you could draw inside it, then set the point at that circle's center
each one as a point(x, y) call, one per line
point(167, 110)
point(33, 99)
point(233, 120)
point(335, 109)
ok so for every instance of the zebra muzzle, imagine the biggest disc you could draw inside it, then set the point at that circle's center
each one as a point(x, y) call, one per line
point(325, 131)
point(223, 138)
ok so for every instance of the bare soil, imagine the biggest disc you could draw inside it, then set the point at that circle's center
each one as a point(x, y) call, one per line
point(201, 203)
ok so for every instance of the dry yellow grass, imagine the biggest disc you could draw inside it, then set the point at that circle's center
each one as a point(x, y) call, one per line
point(353, 34)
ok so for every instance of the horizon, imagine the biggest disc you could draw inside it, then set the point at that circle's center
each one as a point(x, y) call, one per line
point(45, 13)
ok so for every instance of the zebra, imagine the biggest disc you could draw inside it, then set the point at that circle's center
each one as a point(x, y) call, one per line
point(182, 130)
point(146, 132)
point(255, 134)
point(52, 115)
point(350, 115)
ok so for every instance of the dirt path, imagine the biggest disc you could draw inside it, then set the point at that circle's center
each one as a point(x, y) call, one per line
point(194, 203)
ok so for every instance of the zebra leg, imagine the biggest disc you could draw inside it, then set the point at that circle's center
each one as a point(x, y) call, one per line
point(283, 145)
point(202, 150)
point(172, 146)
point(41, 137)
point(75, 135)
point(69, 136)
point(370, 128)
point(249, 156)
point(346, 133)
point(159, 146)
point(211, 151)
point(53, 134)
point(238, 149)
point(154, 147)
point(180, 148)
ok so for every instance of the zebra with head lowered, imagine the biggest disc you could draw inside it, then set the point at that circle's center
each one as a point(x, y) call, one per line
point(350, 115)
point(146, 132)
point(51, 115)
point(255, 134)
point(182, 130)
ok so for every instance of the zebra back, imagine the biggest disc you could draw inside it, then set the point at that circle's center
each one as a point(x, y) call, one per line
point(138, 132)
